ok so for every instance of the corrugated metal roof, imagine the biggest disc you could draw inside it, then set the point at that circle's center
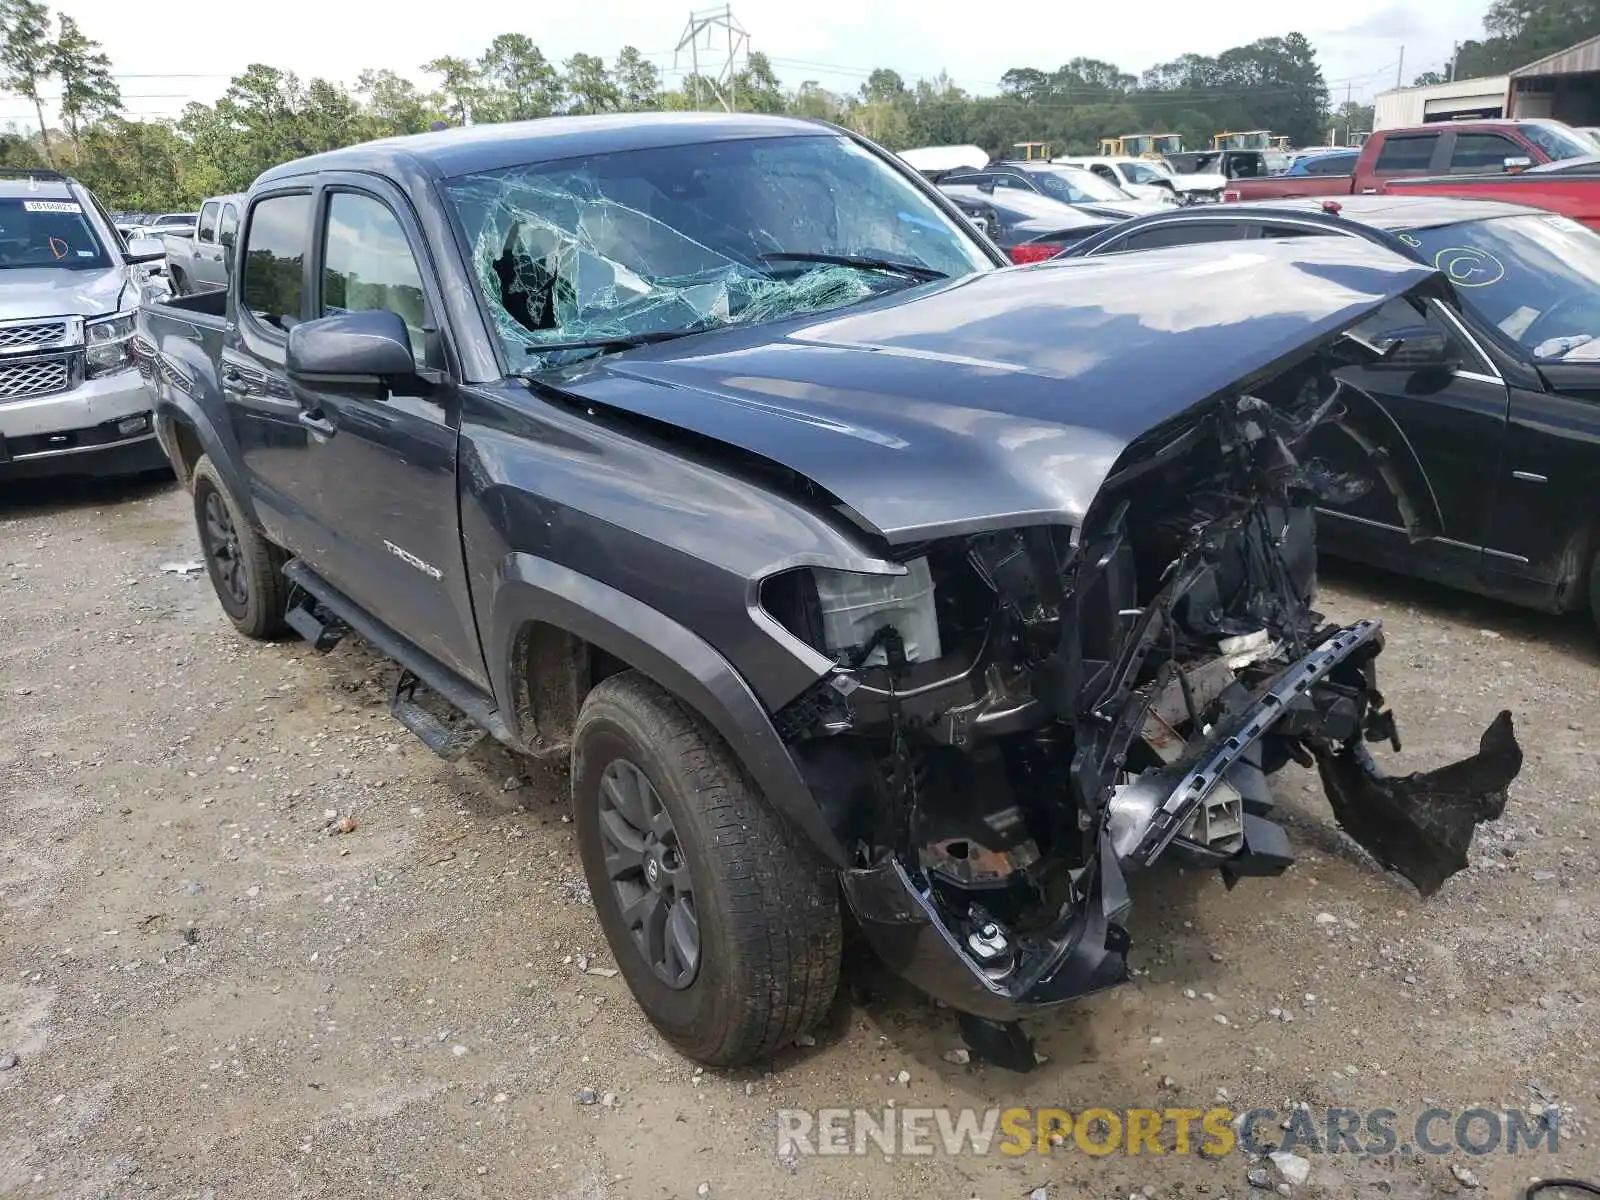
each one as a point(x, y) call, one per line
point(1585, 56)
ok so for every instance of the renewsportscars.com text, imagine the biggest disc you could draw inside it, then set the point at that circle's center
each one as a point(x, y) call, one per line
point(1211, 1132)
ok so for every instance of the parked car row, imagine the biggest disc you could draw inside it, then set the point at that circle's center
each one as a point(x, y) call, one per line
point(718, 453)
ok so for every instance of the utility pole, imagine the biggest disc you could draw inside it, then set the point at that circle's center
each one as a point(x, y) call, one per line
point(707, 22)
point(1400, 68)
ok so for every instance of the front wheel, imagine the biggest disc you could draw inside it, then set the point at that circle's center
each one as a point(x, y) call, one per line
point(727, 933)
point(246, 570)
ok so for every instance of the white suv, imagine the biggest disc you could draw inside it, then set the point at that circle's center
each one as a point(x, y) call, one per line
point(71, 400)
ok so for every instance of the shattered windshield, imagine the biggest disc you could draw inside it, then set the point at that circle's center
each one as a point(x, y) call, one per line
point(1534, 278)
point(644, 243)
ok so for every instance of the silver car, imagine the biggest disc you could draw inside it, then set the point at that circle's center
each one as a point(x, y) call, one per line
point(71, 400)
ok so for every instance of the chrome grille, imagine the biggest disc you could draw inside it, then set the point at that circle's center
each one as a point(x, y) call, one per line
point(32, 335)
point(38, 377)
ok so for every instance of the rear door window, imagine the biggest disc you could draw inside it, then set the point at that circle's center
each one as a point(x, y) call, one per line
point(272, 283)
point(1414, 152)
point(208, 224)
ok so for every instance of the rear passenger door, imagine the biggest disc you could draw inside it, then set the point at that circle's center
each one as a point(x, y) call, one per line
point(386, 509)
point(271, 298)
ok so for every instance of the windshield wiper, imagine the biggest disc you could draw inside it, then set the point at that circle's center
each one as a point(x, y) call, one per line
point(914, 270)
point(621, 341)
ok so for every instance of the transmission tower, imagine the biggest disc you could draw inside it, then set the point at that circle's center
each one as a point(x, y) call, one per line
point(723, 37)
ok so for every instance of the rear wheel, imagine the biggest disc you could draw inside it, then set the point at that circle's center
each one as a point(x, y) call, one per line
point(180, 285)
point(728, 934)
point(246, 570)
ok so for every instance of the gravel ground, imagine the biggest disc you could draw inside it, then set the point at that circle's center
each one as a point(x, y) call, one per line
point(207, 991)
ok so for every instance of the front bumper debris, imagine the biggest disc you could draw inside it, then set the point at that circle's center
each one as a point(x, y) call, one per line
point(1084, 952)
point(1419, 825)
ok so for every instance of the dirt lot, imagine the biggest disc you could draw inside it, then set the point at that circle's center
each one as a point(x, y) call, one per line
point(208, 994)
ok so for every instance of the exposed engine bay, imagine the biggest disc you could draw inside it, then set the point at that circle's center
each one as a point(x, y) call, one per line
point(1023, 718)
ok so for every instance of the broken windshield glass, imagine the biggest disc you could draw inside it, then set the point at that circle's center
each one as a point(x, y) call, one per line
point(607, 248)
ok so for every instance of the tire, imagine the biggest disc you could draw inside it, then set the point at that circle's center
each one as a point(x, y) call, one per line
point(180, 286)
point(246, 570)
point(767, 910)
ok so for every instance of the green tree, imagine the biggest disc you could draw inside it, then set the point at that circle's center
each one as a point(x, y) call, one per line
point(1428, 79)
point(139, 165)
point(460, 84)
point(756, 87)
point(636, 80)
point(88, 90)
point(590, 86)
point(27, 56)
point(811, 100)
point(518, 82)
point(393, 105)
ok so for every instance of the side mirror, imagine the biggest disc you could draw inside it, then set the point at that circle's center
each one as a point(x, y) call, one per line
point(1414, 348)
point(146, 250)
point(1518, 163)
point(360, 345)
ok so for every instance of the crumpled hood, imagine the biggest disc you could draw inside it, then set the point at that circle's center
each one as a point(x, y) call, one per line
point(1005, 397)
point(57, 292)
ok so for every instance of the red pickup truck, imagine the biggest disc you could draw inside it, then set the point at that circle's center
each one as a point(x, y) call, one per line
point(1457, 148)
point(1570, 187)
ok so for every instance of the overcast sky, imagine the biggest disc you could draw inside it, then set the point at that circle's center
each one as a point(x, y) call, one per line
point(167, 52)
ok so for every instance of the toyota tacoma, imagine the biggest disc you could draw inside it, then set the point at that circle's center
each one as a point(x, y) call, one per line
point(849, 566)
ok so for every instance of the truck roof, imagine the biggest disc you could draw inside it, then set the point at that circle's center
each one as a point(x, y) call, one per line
point(460, 151)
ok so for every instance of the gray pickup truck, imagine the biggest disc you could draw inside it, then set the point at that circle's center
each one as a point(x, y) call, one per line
point(71, 402)
point(198, 260)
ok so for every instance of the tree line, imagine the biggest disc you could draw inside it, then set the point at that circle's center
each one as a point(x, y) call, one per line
point(268, 115)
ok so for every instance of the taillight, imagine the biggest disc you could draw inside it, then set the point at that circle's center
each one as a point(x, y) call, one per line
point(1231, 194)
point(1032, 252)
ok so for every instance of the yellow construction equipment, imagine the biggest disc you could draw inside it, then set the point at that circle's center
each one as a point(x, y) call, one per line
point(1255, 139)
point(1028, 151)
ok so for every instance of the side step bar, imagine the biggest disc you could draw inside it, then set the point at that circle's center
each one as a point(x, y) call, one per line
point(445, 740)
point(340, 612)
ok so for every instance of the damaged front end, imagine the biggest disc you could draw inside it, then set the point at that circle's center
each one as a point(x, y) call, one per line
point(1023, 718)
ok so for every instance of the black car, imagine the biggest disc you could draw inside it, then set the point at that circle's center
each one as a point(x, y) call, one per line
point(1029, 227)
point(715, 452)
point(1065, 185)
point(1506, 427)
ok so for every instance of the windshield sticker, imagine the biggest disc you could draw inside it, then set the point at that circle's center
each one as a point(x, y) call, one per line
point(1410, 241)
point(85, 253)
point(1468, 267)
point(61, 206)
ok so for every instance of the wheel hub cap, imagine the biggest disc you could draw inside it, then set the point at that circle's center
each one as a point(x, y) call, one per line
point(650, 879)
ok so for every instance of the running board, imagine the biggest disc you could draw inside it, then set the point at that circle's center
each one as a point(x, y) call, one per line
point(319, 627)
point(333, 606)
point(447, 741)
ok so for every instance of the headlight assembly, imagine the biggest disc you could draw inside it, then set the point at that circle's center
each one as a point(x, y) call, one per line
point(106, 344)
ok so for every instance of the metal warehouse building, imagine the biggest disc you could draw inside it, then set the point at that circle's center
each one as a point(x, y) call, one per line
point(1564, 86)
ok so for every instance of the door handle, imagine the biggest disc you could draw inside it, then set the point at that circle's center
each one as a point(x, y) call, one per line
point(313, 420)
